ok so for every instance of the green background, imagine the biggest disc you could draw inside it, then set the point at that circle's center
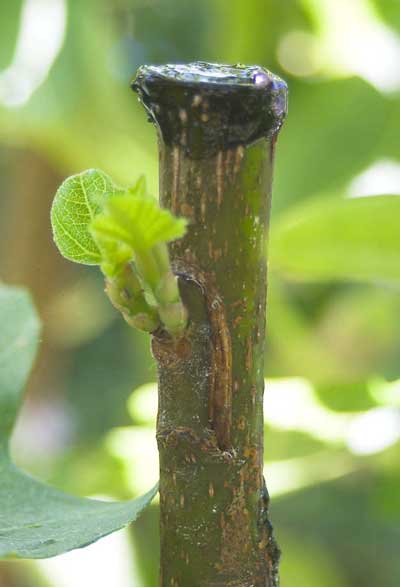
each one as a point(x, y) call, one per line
point(332, 364)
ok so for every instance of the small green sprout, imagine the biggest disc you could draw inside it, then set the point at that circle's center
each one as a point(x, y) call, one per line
point(125, 232)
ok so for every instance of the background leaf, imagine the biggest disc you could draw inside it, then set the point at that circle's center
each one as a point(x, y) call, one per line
point(330, 135)
point(19, 334)
point(341, 239)
point(36, 520)
point(389, 11)
point(9, 22)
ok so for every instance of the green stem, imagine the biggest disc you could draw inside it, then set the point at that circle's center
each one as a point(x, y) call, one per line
point(171, 309)
point(148, 268)
point(125, 293)
point(217, 126)
point(155, 268)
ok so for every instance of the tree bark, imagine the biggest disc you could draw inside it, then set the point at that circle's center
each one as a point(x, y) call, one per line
point(216, 127)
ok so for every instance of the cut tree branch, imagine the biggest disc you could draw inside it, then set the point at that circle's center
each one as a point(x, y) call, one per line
point(217, 126)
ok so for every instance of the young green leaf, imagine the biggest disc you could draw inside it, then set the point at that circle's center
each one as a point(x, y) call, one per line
point(138, 222)
point(77, 201)
point(114, 255)
point(37, 521)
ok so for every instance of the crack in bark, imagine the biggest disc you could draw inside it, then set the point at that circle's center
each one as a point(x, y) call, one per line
point(220, 388)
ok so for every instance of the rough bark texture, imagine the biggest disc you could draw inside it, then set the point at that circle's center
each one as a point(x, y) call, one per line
point(216, 126)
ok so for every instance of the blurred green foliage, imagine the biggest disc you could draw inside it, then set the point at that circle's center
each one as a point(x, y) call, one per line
point(333, 324)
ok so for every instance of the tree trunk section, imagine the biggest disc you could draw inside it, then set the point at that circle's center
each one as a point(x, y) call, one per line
point(217, 127)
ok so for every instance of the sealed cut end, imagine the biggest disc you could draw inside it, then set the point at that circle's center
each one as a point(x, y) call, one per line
point(205, 107)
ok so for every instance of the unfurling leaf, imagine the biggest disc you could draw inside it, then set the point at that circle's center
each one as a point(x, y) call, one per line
point(137, 222)
point(77, 201)
point(37, 521)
